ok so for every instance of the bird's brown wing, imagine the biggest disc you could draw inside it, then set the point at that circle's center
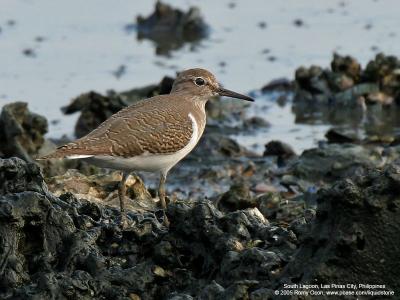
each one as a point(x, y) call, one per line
point(145, 127)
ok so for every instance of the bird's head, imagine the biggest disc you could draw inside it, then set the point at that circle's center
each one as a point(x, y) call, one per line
point(203, 84)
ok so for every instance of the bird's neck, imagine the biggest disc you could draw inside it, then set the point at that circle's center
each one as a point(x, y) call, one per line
point(196, 106)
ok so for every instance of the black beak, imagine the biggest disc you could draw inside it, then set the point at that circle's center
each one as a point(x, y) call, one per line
point(228, 93)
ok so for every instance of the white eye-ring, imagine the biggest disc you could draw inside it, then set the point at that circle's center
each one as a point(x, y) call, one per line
point(199, 81)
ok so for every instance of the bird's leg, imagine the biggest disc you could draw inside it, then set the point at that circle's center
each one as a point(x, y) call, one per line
point(122, 195)
point(161, 195)
point(161, 190)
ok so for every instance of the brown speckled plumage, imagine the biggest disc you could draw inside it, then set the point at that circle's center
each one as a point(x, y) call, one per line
point(156, 125)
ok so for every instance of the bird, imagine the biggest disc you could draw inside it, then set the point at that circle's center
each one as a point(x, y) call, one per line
point(151, 135)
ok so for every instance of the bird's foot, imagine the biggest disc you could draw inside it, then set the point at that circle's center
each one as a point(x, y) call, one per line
point(162, 218)
point(166, 222)
point(123, 222)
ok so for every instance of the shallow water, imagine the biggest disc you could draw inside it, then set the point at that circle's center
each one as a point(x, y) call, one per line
point(283, 126)
point(79, 44)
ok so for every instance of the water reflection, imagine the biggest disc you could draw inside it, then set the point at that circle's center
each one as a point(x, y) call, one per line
point(375, 120)
point(303, 125)
point(170, 28)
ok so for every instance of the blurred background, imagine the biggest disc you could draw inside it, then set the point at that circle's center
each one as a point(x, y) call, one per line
point(52, 51)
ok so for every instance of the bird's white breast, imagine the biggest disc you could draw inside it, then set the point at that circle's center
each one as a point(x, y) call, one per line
point(149, 162)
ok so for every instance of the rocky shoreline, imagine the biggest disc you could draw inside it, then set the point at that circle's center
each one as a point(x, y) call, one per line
point(68, 247)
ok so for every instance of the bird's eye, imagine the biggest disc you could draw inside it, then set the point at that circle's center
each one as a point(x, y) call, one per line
point(199, 81)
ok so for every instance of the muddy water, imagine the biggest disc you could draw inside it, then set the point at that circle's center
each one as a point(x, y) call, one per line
point(76, 46)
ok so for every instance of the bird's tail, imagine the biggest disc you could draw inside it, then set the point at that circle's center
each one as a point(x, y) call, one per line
point(64, 153)
point(59, 153)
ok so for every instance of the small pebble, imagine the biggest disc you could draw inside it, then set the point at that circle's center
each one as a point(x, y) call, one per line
point(262, 25)
point(298, 22)
point(265, 188)
point(29, 52)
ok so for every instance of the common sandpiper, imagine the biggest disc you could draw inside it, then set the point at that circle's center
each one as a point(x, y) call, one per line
point(151, 135)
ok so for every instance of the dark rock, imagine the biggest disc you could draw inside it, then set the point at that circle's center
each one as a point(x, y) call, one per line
point(40, 39)
point(356, 224)
point(29, 52)
point(350, 97)
point(343, 85)
point(255, 123)
point(262, 25)
point(311, 80)
point(298, 23)
point(179, 296)
point(396, 141)
point(47, 243)
point(212, 291)
point(280, 149)
point(368, 26)
point(269, 204)
point(335, 136)
point(266, 51)
point(347, 85)
point(238, 197)
point(347, 65)
point(334, 161)
point(21, 131)
point(280, 84)
point(225, 111)
point(238, 290)
point(171, 28)
point(229, 234)
point(384, 71)
point(231, 148)
point(165, 86)
point(274, 207)
point(222, 64)
point(16, 176)
point(262, 294)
